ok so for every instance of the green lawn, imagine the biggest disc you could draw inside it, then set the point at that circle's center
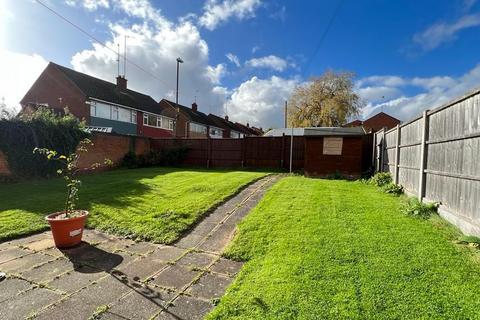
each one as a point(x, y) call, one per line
point(153, 204)
point(324, 249)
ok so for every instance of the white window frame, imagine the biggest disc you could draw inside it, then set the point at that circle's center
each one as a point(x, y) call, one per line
point(133, 117)
point(145, 119)
point(113, 110)
point(93, 106)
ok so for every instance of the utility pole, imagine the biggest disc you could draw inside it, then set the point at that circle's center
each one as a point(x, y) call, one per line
point(179, 60)
point(118, 59)
point(285, 116)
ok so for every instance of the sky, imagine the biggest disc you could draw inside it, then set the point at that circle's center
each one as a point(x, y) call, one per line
point(245, 57)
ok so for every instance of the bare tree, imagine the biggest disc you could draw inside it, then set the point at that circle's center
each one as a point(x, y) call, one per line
point(325, 101)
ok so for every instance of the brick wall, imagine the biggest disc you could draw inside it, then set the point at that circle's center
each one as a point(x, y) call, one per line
point(113, 147)
point(4, 170)
point(52, 85)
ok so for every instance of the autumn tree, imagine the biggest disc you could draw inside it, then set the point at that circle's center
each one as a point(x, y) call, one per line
point(325, 101)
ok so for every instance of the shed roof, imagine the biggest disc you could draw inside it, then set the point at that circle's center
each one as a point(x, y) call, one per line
point(317, 131)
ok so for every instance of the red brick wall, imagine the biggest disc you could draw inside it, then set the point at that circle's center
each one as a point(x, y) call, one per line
point(4, 170)
point(113, 147)
point(380, 121)
point(52, 85)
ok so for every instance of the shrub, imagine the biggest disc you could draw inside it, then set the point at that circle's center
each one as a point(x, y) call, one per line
point(166, 157)
point(413, 207)
point(130, 160)
point(393, 188)
point(381, 179)
point(42, 129)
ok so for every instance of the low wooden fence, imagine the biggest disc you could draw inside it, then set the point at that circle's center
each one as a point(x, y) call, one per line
point(436, 158)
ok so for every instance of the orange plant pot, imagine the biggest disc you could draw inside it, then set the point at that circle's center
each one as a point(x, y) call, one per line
point(67, 232)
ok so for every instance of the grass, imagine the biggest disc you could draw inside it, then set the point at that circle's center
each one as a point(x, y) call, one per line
point(324, 249)
point(155, 204)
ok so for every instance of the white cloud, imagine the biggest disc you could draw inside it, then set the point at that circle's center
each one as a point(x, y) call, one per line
point(233, 59)
point(443, 32)
point(434, 91)
point(155, 44)
point(22, 70)
point(216, 12)
point(90, 5)
point(270, 62)
point(260, 102)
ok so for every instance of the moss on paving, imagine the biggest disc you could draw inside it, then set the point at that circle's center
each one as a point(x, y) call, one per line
point(152, 204)
point(324, 249)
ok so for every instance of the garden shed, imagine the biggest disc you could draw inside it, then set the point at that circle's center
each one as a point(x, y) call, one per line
point(332, 151)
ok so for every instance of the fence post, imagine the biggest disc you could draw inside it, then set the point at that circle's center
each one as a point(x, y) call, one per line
point(423, 156)
point(374, 156)
point(209, 148)
point(397, 155)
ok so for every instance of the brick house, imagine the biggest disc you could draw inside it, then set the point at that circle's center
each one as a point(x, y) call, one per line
point(377, 122)
point(192, 123)
point(100, 103)
point(230, 129)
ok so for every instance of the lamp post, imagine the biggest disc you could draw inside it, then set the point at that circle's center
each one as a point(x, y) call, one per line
point(179, 60)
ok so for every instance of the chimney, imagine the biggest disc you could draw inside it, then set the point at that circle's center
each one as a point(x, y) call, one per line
point(226, 118)
point(248, 125)
point(194, 106)
point(121, 83)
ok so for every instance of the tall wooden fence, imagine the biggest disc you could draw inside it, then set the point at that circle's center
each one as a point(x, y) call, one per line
point(436, 158)
point(268, 152)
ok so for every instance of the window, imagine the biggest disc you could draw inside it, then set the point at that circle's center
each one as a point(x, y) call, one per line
point(234, 134)
point(145, 119)
point(170, 124)
point(114, 113)
point(93, 109)
point(216, 132)
point(159, 122)
point(103, 111)
point(107, 111)
point(198, 128)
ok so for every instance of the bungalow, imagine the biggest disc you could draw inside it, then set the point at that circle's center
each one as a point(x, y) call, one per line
point(103, 105)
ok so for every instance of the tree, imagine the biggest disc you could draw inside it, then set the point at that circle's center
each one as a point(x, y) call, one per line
point(5, 113)
point(325, 101)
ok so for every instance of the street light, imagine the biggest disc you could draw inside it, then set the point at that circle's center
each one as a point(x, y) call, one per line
point(179, 60)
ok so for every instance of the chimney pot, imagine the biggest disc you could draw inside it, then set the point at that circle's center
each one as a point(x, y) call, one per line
point(121, 83)
point(248, 125)
point(226, 118)
point(194, 106)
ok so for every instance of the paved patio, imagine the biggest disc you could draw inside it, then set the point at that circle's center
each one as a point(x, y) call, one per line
point(108, 277)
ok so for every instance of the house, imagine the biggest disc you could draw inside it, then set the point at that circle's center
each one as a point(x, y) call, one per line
point(230, 129)
point(249, 131)
point(103, 105)
point(191, 123)
point(377, 122)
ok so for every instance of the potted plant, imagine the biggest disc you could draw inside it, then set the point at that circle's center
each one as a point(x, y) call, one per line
point(67, 225)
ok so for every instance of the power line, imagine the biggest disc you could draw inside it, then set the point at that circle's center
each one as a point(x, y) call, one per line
point(101, 43)
point(324, 35)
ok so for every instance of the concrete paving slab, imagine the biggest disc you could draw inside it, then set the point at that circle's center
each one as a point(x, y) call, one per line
point(24, 263)
point(196, 260)
point(227, 267)
point(210, 286)
point(76, 279)
point(12, 253)
point(189, 308)
point(28, 303)
point(10, 287)
point(175, 277)
point(48, 271)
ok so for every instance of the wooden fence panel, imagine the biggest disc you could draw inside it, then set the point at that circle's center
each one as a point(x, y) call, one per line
point(448, 155)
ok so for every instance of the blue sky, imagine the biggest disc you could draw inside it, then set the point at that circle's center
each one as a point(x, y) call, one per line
point(245, 57)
